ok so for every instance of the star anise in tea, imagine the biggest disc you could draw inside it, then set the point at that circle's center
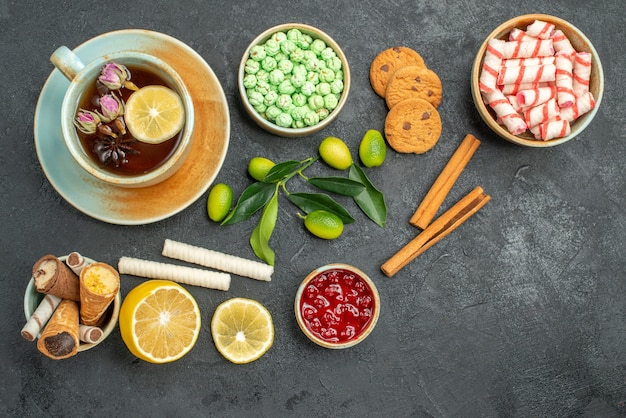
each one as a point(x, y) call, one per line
point(113, 151)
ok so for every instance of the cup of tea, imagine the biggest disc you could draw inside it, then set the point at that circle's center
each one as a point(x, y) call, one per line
point(95, 117)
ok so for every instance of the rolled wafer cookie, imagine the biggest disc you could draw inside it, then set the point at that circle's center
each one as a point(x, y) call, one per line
point(89, 334)
point(220, 261)
point(76, 262)
point(40, 317)
point(53, 277)
point(99, 284)
point(59, 339)
point(175, 273)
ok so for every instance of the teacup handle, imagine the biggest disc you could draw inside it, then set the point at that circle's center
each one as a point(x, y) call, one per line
point(67, 62)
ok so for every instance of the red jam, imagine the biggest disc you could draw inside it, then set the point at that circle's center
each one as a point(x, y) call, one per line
point(337, 305)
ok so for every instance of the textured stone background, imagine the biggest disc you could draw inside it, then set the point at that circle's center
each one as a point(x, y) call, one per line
point(520, 312)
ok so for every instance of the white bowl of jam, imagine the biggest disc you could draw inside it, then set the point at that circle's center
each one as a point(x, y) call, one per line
point(337, 306)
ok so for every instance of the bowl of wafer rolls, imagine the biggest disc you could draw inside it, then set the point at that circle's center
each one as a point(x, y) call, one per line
point(71, 304)
point(537, 81)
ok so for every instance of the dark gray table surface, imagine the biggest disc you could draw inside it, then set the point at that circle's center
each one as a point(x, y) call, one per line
point(520, 312)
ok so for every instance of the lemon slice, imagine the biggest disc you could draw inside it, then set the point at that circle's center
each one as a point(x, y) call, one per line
point(154, 114)
point(159, 321)
point(242, 330)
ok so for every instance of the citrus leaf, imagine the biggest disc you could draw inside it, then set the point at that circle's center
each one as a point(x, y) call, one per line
point(371, 200)
point(281, 170)
point(260, 237)
point(308, 202)
point(338, 185)
point(253, 198)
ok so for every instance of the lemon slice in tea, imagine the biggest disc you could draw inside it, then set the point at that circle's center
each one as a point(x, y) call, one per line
point(242, 330)
point(154, 114)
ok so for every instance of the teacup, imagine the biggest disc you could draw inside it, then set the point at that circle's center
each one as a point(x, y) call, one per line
point(83, 76)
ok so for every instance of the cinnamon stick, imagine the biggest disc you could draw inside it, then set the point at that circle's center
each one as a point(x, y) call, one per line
point(436, 231)
point(443, 184)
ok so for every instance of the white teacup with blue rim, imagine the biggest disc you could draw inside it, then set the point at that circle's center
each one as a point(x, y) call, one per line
point(92, 119)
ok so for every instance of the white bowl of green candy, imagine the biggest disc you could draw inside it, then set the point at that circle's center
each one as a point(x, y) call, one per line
point(293, 80)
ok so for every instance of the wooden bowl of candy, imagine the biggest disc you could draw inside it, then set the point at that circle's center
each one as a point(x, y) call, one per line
point(537, 81)
point(293, 80)
point(337, 306)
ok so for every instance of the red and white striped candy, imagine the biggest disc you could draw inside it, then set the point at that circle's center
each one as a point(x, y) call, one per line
point(517, 34)
point(491, 65)
point(533, 74)
point(582, 105)
point(561, 43)
point(541, 113)
point(540, 29)
point(535, 96)
point(527, 49)
point(505, 113)
point(564, 79)
point(514, 102)
point(516, 88)
point(582, 73)
point(556, 128)
point(516, 62)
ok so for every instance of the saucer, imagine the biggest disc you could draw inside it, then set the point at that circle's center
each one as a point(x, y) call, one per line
point(124, 206)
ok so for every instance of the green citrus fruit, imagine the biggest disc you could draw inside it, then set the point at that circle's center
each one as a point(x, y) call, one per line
point(335, 153)
point(324, 224)
point(258, 167)
point(219, 202)
point(372, 149)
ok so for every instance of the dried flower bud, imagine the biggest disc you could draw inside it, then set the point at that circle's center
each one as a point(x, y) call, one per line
point(86, 121)
point(110, 107)
point(106, 130)
point(114, 75)
point(120, 125)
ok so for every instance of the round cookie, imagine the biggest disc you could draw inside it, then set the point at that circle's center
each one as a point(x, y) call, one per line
point(413, 82)
point(387, 62)
point(412, 126)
